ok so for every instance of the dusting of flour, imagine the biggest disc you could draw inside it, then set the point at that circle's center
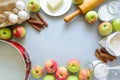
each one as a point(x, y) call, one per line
point(115, 44)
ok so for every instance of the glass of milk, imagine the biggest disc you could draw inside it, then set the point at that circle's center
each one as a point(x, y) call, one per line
point(113, 7)
point(100, 72)
point(109, 11)
point(98, 69)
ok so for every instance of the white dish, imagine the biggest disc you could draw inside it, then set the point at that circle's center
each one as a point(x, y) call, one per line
point(12, 64)
point(60, 11)
point(104, 14)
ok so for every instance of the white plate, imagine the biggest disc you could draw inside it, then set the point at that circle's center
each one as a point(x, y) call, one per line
point(104, 14)
point(12, 64)
point(62, 10)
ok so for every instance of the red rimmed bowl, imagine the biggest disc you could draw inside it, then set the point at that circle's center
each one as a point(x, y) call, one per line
point(15, 63)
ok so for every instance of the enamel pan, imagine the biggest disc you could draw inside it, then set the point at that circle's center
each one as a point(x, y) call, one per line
point(15, 63)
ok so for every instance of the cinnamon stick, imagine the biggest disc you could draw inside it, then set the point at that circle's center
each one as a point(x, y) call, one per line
point(104, 58)
point(40, 26)
point(107, 54)
point(103, 50)
point(42, 19)
point(36, 22)
point(34, 26)
point(97, 53)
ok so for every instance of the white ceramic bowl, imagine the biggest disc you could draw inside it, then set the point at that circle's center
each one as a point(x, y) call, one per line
point(14, 61)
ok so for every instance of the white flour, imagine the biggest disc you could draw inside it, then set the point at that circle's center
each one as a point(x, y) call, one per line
point(115, 44)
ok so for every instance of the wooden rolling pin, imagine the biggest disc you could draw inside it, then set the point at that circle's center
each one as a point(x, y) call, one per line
point(83, 8)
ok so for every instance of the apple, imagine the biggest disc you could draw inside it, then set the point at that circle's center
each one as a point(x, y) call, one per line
point(78, 1)
point(72, 77)
point(61, 73)
point(19, 31)
point(33, 5)
point(105, 28)
point(50, 66)
point(5, 33)
point(85, 74)
point(49, 77)
point(116, 24)
point(37, 71)
point(91, 17)
point(73, 65)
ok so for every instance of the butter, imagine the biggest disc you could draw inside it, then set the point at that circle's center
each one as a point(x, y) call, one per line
point(54, 4)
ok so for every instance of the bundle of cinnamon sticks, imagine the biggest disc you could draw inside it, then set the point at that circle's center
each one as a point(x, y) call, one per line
point(104, 55)
point(38, 24)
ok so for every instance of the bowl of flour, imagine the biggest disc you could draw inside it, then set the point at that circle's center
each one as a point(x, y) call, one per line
point(113, 44)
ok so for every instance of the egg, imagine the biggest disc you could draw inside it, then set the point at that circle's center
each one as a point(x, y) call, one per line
point(20, 5)
point(23, 15)
point(13, 18)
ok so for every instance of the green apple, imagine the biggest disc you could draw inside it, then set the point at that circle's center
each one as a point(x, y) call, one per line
point(5, 33)
point(91, 17)
point(49, 77)
point(78, 1)
point(37, 71)
point(33, 5)
point(73, 65)
point(116, 24)
point(72, 77)
point(105, 28)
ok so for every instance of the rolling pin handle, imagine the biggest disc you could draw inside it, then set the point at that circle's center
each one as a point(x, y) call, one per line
point(71, 16)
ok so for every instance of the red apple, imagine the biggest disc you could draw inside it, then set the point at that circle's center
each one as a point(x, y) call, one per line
point(50, 66)
point(73, 65)
point(61, 73)
point(19, 32)
point(84, 74)
point(37, 71)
